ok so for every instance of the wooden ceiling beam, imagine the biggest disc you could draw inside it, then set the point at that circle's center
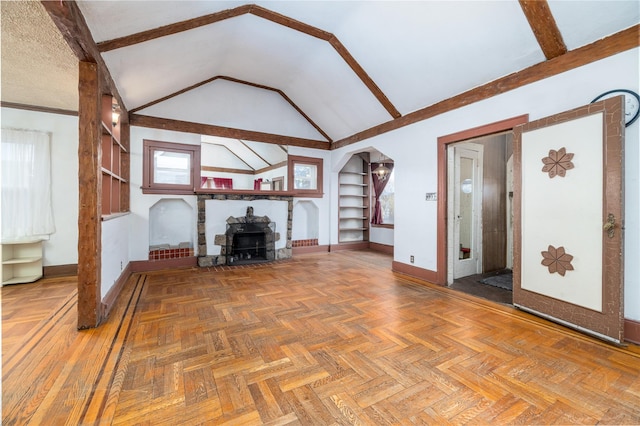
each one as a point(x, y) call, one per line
point(248, 83)
point(263, 13)
point(544, 27)
point(227, 170)
point(175, 28)
point(66, 15)
point(603, 48)
point(226, 132)
point(264, 160)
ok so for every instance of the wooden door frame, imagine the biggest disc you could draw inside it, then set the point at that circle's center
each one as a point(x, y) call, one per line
point(443, 142)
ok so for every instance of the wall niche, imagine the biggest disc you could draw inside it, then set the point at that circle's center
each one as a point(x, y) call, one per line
point(171, 229)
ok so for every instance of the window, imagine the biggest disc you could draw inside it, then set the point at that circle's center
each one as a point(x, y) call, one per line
point(26, 185)
point(305, 175)
point(170, 168)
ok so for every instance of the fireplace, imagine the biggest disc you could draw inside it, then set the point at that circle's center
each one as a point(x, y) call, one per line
point(214, 225)
point(250, 242)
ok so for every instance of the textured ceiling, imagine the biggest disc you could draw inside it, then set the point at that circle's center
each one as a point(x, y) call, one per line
point(38, 67)
point(320, 70)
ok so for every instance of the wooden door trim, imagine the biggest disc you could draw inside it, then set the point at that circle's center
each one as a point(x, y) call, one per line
point(609, 323)
point(443, 142)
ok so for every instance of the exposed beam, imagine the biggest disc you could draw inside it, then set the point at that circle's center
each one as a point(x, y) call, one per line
point(243, 143)
point(227, 132)
point(544, 27)
point(608, 46)
point(66, 15)
point(90, 201)
point(227, 170)
point(272, 167)
point(170, 29)
point(38, 108)
point(235, 80)
point(237, 156)
point(241, 171)
point(269, 15)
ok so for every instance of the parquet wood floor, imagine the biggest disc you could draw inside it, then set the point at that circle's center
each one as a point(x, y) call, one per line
point(321, 339)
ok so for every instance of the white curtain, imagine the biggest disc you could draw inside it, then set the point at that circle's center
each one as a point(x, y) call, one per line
point(26, 185)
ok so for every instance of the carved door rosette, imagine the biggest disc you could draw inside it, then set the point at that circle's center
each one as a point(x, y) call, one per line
point(557, 260)
point(557, 163)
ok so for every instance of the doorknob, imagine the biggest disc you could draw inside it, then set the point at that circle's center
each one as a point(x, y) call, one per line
point(609, 225)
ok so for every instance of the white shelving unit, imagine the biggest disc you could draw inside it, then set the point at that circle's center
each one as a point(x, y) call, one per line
point(354, 201)
point(21, 262)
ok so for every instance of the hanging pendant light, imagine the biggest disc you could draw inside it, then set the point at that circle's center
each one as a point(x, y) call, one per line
point(382, 171)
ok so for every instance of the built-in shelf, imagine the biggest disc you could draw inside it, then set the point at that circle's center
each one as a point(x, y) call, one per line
point(354, 185)
point(115, 161)
point(21, 262)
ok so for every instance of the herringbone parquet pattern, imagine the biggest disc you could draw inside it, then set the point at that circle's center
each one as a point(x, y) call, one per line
point(339, 339)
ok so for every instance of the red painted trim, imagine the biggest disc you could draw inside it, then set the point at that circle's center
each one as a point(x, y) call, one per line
point(310, 249)
point(109, 300)
point(632, 331)
point(382, 248)
point(60, 270)
point(414, 271)
point(361, 245)
point(156, 265)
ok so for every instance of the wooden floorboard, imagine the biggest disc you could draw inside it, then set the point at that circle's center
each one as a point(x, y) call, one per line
point(329, 338)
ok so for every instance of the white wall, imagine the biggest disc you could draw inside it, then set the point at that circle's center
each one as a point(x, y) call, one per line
point(62, 247)
point(306, 220)
point(325, 207)
point(414, 150)
point(138, 232)
point(115, 251)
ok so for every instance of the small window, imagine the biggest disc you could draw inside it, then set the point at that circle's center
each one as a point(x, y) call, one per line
point(305, 175)
point(170, 168)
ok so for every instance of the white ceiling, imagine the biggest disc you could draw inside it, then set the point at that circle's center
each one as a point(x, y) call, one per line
point(417, 53)
point(240, 155)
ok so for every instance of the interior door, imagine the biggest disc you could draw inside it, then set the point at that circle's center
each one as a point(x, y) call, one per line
point(467, 210)
point(568, 218)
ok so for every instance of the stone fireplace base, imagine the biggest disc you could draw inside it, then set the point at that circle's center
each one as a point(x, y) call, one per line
point(244, 224)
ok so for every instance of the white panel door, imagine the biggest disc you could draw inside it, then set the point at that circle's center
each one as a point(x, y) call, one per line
point(568, 202)
point(467, 210)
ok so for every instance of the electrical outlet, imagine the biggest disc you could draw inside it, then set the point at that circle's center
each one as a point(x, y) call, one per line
point(411, 259)
point(121, 265)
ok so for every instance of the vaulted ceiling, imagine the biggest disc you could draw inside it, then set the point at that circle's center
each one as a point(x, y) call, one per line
point(310, 73)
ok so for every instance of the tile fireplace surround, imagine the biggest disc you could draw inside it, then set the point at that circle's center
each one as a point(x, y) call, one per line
point(205, 260)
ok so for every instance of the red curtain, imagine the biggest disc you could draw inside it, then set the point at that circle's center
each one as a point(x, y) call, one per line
point(223, 183)
point(378, 187)
point(256, 184)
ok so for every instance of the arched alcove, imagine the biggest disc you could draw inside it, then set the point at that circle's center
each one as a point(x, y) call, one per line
point(306, 223)
point(170, 229)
